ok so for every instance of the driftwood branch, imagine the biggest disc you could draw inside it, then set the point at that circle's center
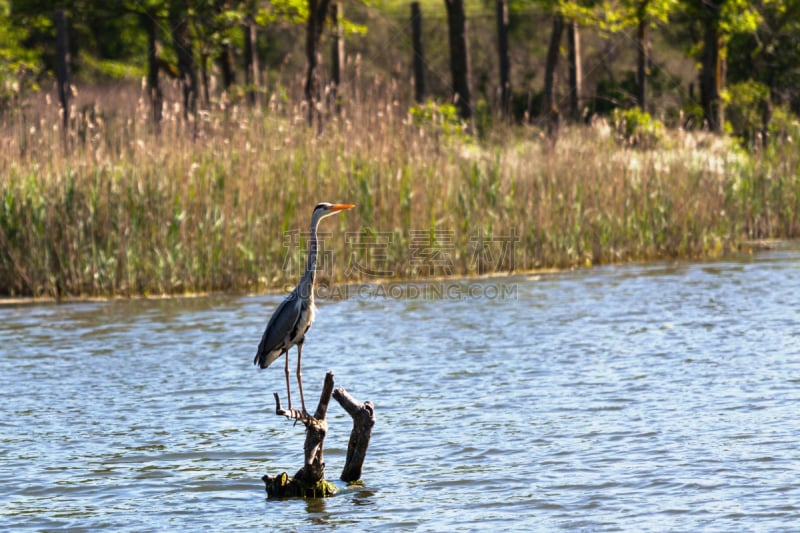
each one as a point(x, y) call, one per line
point(313, 470)
point(309, 481)
point(294, 414)
point(363, 415)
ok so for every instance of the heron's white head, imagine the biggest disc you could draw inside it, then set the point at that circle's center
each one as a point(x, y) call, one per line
point(326, 209)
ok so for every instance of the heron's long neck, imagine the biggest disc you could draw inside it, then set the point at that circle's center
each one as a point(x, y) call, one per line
point(307, 282)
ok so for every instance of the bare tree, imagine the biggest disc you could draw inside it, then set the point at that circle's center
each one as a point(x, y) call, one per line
point(178, 18)
point(575, 70)
point(713, 67)
point(418, 58)
point(62, 67)
point(550, 106)
point(153, 88)
point(337, 54)
point(226, 66)
point(250, 57)
point(317, 12)
point(643, 55)
point(459, 57)
point(504, 61)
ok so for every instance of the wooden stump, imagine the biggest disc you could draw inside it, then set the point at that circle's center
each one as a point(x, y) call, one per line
point(309, 481)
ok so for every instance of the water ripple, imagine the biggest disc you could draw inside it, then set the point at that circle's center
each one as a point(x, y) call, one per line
point(643, 397)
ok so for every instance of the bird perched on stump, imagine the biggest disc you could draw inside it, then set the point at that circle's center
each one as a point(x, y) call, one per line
point(292, 319)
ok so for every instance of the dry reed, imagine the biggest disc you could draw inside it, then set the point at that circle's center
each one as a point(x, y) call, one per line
point(221, 202)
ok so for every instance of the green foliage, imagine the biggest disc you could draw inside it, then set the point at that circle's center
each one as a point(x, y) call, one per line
point(616, 16)
point(730, 16)
point(283, 486)
point(108, 34)
point(739, 16)
point(638, 128)
point(745, 108)
point(751, 115)
point(612, 94)
point(19, 65)
point(292, 11)
point(784, 126)
point(483, 118)
point(438, 117)
point(771, 53)
point(111, 69)
point(693, 116)
point(296, 12)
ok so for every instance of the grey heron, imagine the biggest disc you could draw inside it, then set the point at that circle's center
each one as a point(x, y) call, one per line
point(293, 317)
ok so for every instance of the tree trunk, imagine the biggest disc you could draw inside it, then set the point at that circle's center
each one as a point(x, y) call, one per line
point(575, 71)
point(643, 59)
point(250, 60)
point(309, 481)
point(317, 11)
point(419, 53)
point(459, 58)
point(226, 64)
point(712, 74)
point(62, 68)
point(153, 87)
point(766, 118)
point(204, 77)
point(550, 106)
point(183, 50)
point(504, 61)
point(337, 54)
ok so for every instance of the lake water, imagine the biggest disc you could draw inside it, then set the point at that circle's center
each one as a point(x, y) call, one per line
point(655, 397)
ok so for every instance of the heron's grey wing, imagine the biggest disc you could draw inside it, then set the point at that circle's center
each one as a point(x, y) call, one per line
point(280, 325)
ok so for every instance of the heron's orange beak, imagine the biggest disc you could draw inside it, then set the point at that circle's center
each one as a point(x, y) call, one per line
point(340, 207)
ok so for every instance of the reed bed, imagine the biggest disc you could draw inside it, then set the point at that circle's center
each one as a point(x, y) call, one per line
point(222, 203)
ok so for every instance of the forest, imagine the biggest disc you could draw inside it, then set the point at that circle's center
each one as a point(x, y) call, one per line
point(683, 61)
point(144, 139)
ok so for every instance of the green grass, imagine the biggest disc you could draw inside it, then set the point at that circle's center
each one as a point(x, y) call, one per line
point(128, 212)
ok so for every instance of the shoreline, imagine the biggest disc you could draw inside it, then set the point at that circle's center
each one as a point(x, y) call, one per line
point(747, 247)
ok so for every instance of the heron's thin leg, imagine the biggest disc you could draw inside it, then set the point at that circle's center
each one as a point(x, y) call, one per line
point(300, 375)
point(288, 391)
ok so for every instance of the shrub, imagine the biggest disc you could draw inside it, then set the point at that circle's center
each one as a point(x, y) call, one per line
point(746, 110)
point(638, 128)
point(443, 118)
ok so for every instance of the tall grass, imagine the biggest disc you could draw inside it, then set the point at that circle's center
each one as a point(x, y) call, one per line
point(223, 203)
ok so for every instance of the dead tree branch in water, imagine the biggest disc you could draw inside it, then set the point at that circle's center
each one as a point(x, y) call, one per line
point(310, 481)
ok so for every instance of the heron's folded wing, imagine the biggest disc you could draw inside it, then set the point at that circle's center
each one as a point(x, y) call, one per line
point(280, 325)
